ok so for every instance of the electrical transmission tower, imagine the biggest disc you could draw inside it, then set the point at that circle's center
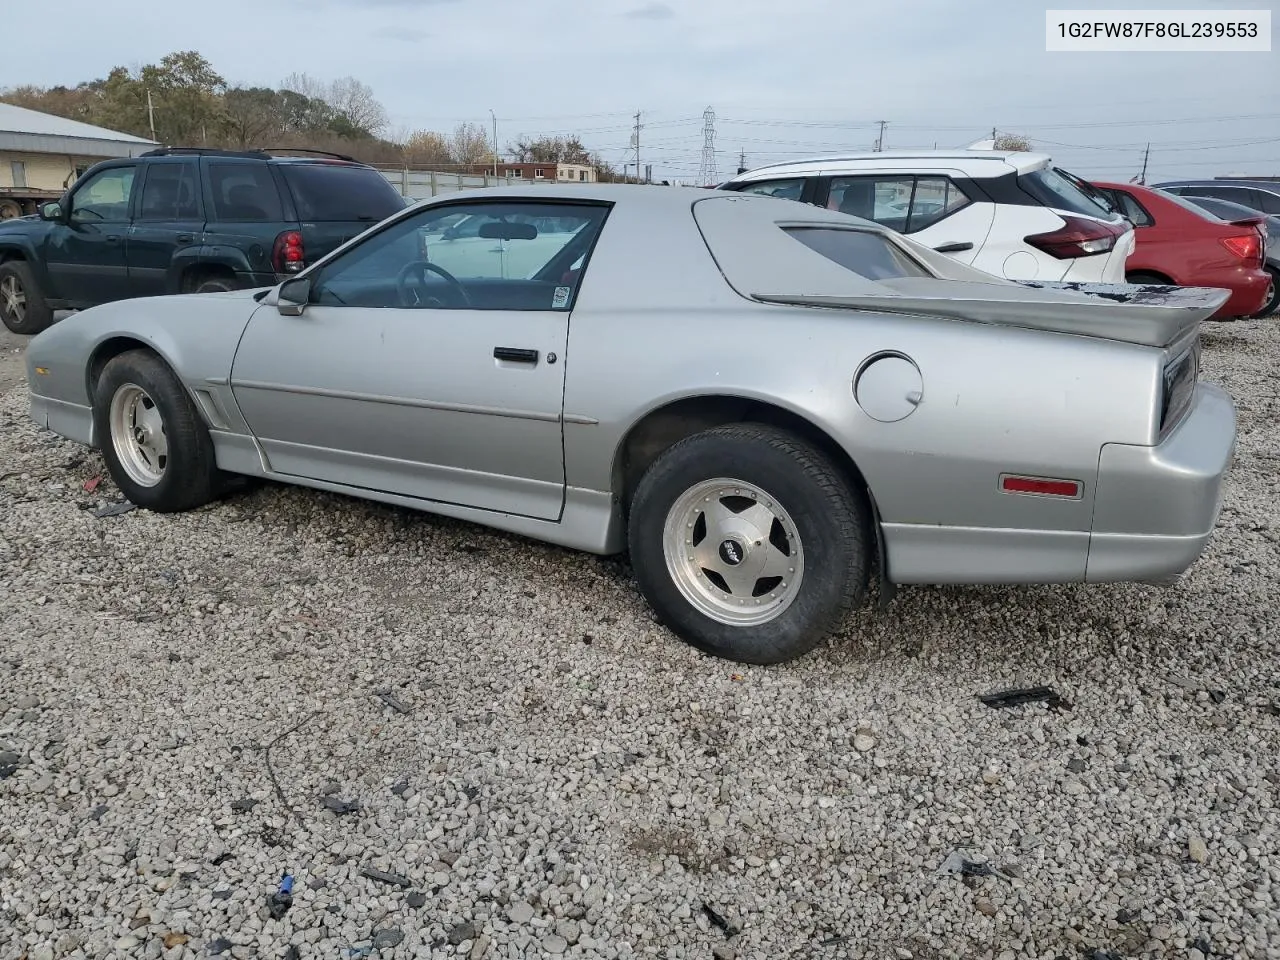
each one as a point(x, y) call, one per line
point(707, 172)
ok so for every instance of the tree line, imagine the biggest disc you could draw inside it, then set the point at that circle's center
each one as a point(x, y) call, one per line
point(184, 101)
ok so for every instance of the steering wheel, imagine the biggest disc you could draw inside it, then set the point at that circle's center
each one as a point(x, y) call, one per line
point(409, 295)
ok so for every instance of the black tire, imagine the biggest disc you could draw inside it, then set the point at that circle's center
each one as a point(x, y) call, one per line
point(216, 283)
point(1273, 303)
point(190, 476)
point(831, 519)
point(1150, 278)
point(35, 315)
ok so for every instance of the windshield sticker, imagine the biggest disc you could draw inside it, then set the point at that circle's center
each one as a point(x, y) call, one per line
point(560, 299)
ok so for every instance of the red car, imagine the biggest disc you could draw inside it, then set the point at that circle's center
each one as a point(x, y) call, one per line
point(1180, 244)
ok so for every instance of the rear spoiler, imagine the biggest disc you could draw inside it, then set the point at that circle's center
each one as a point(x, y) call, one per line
point(1145, 314)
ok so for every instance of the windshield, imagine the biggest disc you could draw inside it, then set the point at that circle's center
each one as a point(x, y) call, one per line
point(1054, 188)
point(340, 191)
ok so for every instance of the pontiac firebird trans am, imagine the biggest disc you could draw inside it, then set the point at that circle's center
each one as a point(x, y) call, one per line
point(765, 402)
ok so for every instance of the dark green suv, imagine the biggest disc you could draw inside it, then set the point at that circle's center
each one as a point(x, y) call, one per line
point(183, 221)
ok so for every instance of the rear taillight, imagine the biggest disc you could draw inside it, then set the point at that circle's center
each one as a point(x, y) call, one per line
point(287, 255)
point(1247, 246)
point(1077, 237)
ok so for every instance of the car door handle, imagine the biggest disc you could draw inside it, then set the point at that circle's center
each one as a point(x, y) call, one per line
point(954, 247)
point(515, 354)
point(185, 238)
point(111, 238)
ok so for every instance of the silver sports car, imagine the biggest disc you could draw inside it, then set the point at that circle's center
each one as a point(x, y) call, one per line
point(765, 402)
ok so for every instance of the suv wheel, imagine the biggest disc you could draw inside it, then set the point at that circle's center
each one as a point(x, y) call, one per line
point(22, 305)
point(217, 283)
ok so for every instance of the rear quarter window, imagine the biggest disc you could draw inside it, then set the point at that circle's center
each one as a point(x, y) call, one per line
point(244, 191)
point(862, 252)
point(331, 192)
point(1054, 190)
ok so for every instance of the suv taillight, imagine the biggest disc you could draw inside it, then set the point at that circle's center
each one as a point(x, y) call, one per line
point(1077, 237)
point(287, 255)
point(1248, 247)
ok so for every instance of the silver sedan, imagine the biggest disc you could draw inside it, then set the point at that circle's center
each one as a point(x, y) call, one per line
point(767, 403)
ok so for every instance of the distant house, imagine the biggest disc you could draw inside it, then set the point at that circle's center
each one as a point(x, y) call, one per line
point(549, 172)
point(41, 155)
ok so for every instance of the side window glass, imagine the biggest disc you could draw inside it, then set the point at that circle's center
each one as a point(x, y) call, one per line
point(169, 192)
point(934, 199)
point(1132, 209)
point(1268, 202)
point(244, 191)
point(105, 198)
point(477, 256)
point(786, 189)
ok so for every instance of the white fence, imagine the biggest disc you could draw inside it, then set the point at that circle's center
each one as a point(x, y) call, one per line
point(422, 184)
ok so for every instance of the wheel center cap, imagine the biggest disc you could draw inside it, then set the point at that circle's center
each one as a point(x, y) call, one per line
point(732, 552)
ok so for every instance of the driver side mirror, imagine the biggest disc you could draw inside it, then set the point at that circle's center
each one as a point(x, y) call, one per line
point(293, 296)
point(51, 211)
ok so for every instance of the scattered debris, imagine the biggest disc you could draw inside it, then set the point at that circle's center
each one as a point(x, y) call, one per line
point(1017, 696)
point(400, 788)
point(293, 953)
point(221, 945)
point(959, 862)
point(1203, 945)
point(391, 700)
point(175, 939)
point(114, 509)
point(986, 907)
point(243, 806)
point(388, 937)
point(97, 812)
point(340, 806)
point(382, 876)
point(222, 858)
point(175, 658)
point(832, 941)
point(221, 894)
point(1076, 765)
point(416, 899)
point(1197, 849)
point(359, 950)
point(718, 921)
point(278, 903)
point(91, 484)
point(1217, 696)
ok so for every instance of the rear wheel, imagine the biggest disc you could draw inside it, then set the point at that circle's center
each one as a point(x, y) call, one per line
point(1151, 278)
point(156, 447)
point(22, 305)
point(215, 283)
point(749, 543)
point(1273, 301)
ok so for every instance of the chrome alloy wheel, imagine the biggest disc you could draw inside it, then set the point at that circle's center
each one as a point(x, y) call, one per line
point(137, 435)
point(733, 552)
point(13, 299)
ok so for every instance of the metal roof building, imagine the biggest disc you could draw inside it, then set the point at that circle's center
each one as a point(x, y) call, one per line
point(29, 131)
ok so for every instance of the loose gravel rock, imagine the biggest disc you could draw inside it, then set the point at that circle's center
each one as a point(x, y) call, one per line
point(569, 779)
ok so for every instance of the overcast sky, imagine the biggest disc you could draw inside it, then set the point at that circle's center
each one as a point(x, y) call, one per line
point(786, 80)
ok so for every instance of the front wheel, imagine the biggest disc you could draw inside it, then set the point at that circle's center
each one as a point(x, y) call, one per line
point(22, 306)
point(156, 447)
point(749, 543)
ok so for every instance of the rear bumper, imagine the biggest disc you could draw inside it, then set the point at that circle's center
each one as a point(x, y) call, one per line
point(1155, 507)
point(1249, 292)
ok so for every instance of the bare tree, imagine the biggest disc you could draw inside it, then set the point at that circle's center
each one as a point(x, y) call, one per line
point(469, 146)
point(426, 148)
point(355, 103)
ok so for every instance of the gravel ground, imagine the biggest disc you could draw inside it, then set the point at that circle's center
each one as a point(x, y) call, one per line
point(185, 699)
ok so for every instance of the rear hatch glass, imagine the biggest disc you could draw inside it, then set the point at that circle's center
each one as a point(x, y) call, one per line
point(339, 192)
point(1051, 188)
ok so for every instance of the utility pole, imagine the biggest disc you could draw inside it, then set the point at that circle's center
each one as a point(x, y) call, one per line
point(495, 143)
point(1146, 154)
point(151, 115)
point(880, 139)
point(993, 136)
point(635, 142)
point(742, 161)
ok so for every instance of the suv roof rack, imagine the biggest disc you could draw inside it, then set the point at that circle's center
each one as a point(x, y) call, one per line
point(320, 153)
point(203, 151)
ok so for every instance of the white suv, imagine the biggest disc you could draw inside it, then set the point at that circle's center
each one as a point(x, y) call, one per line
point(1011, 214)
